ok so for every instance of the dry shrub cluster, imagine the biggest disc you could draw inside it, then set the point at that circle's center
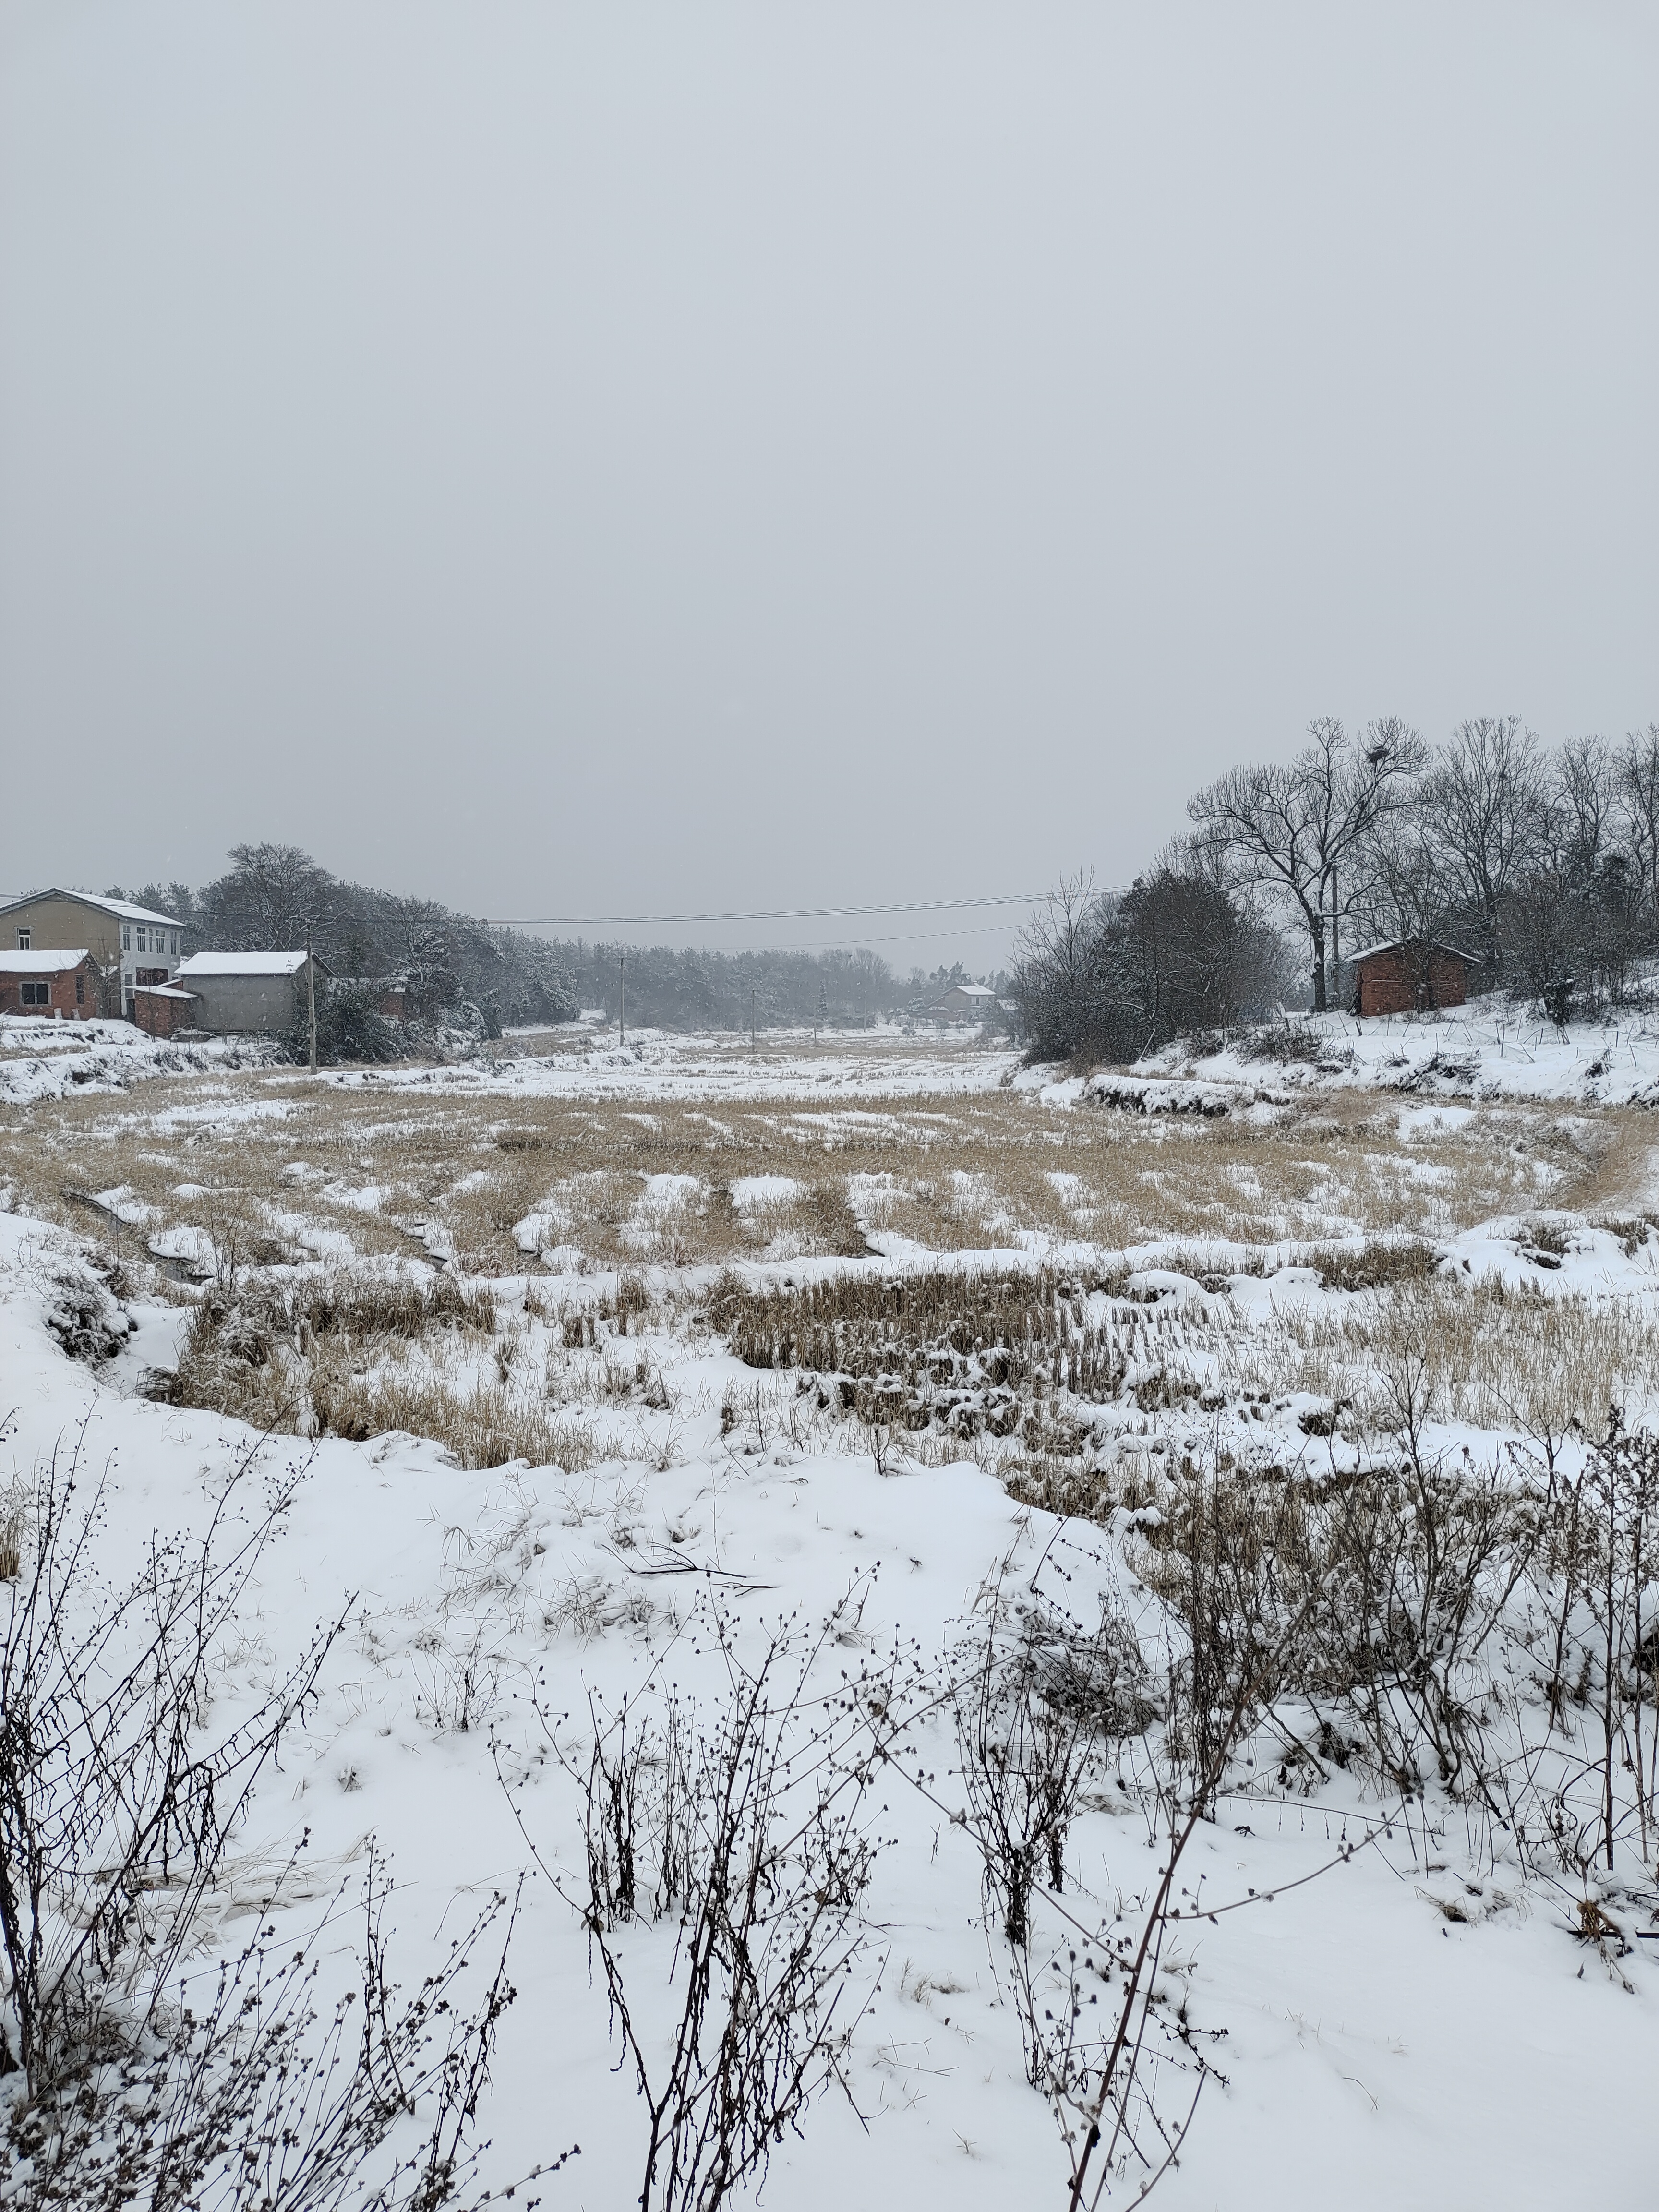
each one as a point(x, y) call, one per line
point(1497, 1356)
point(748, 1824)
point(127, 2075)
point(1379, 1264)
point(962, 1348)
point(360, 1357)
point(1488, 1628)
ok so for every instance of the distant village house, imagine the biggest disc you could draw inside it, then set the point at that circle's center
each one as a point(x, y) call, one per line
point(249, 993)
point(162, 1010)
point(1410, 975)
point(62, 984)
point(966, 1002)
point(131, 947)
point(387, 995)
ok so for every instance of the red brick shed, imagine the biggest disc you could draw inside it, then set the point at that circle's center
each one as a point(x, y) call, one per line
point(61, 983)
point(159, 1009)
point(1410, 975)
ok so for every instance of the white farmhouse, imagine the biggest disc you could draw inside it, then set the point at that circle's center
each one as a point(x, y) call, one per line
point(966, 1002)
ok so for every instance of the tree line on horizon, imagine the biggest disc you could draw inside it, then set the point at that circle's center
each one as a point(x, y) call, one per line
point(1540, 862)
point(462, 972)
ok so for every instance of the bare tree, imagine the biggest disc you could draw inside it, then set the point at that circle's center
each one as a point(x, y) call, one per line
point(1637, 773)
point(1302, 829)
point(1055, 964)
point(1488, 805)
point(267, 898)
point(1583, 819)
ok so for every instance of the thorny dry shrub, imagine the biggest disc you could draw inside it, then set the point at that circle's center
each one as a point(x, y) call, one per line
point(1230, 1561)
point(747, 1823)
point(1490, 1628)
point(1488, 1631)
point(245, 2088)
point(118, 2084)
point(114, 1815)
point(1288, 1042)
point(1040, 1706)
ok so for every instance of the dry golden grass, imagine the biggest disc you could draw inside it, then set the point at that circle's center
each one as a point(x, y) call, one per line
point(326, 1194)
point(359, 1360)
point(1498, 1358)
point(270, 1167)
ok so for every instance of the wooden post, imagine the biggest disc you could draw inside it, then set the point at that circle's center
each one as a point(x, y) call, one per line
point(311, 998)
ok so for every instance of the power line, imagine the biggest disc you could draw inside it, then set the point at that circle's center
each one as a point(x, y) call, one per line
point(762, 913)
point(918, 937)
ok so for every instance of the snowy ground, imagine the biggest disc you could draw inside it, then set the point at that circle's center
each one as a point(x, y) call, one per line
point(1419, 2026)
point(41, 1058)
point(1491, 1048)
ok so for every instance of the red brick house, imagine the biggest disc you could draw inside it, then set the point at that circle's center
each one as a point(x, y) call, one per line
point(64, 983)
point(387, 995)
point(1410, 975)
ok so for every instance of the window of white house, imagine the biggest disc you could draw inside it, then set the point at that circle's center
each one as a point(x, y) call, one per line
point(25, 939)
point(126, 937)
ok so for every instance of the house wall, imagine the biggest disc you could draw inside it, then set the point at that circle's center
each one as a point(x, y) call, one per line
point(159, 1015)
point(240, 1005)
point(1399, 982)
point(56, 925)
point(62, 999)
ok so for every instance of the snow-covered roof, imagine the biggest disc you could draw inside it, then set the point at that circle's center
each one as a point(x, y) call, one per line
point(121, 909)
point(162, 991)
point(1398, 944)
point(41, 964)
point(971, 990)
point(242, 963)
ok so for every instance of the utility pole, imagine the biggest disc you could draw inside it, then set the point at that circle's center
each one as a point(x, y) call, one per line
point(752, 1021)
point(311, 998)
point(622, 1000)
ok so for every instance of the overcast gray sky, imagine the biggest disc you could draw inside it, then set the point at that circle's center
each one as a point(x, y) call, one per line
point(622, 458)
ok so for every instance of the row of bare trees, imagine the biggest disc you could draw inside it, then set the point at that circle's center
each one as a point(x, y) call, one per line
point(468, 974)
point(1541, 862)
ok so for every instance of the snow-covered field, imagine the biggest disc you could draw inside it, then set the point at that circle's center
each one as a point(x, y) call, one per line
point(1432, 2021)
